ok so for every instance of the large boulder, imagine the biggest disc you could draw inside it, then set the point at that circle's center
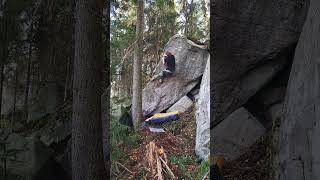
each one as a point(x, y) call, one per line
point(299, 144)
point(190, 64)
point(247, 34)
point(233, 136)
point(203, 116)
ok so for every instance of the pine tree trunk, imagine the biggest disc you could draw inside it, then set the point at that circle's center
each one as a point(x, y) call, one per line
point(87, 150)
point(138, 57)
point(105, 99)
point(191, 19)
point(14, 99)
point(26, 96)
point(1, 85)
point(66, 85)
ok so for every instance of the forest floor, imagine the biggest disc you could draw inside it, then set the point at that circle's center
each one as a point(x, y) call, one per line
point(178, 142)
point(253, 165)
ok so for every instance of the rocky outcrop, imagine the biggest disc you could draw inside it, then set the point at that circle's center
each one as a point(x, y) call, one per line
point(236, 134)
point(249, 34)
point(203, 116)
point(299, 146)
point(190, 64)
point(25, 156)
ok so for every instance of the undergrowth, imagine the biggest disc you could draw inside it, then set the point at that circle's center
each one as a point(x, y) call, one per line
point(184, 161)
point(123, 138)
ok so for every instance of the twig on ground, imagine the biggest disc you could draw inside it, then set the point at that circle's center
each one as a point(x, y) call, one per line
point(167, 167)
point(159, 167)
point(206, 175)
point(123, 167)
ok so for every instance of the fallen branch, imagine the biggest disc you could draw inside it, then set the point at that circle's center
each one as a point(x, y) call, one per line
point(206, 175)
point(159, 168)
point(167, 167)
point(123, 167)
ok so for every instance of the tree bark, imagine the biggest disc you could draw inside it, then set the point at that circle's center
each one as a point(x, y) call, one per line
point(105, 98)
point(3, 55)
point(14, 98)
point(66, 85)
point(26, 97)
point(1, 85)
point(138, 57)
point(87, 150)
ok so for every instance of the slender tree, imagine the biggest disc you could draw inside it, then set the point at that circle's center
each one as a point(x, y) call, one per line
point(105, 98)
point(138, 57)
point(3, 55)
point(14, 97)
point(1, 84)
point(87, 151)
point(28, 81)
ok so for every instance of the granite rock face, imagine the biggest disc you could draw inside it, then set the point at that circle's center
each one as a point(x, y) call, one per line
point(248, 34)
point(203, 116)
point(190, 64)
point(299, 133)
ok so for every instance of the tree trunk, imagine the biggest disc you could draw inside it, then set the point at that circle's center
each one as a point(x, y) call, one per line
point(66, 85)
point(1, 85)
point(14, 99)
point(26, 96)
point(138, 57)
point(105, 98)
point(87, 150)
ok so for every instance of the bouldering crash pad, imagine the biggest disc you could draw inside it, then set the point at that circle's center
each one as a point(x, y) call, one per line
point(161, 118)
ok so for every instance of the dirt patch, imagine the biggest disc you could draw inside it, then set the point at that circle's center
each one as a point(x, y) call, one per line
point(178, 140)
point(253, 165)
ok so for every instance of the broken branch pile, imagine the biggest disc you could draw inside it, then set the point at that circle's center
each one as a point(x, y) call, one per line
point(157, 162)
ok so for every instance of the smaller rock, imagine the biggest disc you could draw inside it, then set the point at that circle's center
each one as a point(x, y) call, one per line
point(182, 105)
point(193, 93)
point(235, 134)
point(196, 98)
point(276, 112)
point(271, 96)
point(125, 117)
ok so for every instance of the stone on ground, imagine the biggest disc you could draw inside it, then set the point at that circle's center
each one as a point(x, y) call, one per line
point(233, 136)
point(182, 105)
